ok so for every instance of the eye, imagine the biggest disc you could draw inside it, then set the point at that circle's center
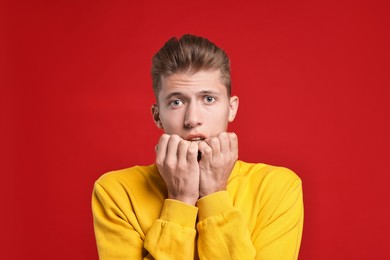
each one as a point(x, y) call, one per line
point(209, 99)
point(175, 103)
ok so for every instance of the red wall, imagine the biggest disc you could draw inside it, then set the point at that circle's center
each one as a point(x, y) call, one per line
point(313, 81)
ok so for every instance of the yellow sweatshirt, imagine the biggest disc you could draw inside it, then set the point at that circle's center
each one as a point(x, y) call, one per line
point(259, 216)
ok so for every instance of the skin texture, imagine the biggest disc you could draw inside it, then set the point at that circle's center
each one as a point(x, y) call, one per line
point(194, 111)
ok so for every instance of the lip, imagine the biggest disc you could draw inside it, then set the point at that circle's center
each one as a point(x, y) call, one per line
point(195, 137)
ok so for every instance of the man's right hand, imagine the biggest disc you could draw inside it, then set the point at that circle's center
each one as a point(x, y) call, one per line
point(177, 163)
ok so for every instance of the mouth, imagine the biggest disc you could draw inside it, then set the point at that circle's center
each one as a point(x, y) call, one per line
point(196, 138)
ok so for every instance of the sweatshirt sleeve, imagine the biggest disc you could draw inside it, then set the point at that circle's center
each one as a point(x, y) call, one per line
point(173, 235)
point(279, 235)
point(119, 235)
point(223, 233)
point(115, 237)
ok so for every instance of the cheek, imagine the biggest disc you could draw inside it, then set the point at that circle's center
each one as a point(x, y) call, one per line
point(170, 121)
point(219, 119)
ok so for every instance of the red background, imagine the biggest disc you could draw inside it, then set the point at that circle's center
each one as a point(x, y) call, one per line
point(313, 81)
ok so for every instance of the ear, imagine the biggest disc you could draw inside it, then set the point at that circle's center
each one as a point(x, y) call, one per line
point(156, 116)
point(233, 107)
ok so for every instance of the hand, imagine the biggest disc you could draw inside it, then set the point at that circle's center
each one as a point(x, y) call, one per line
point(177, 163)
point(219, 155)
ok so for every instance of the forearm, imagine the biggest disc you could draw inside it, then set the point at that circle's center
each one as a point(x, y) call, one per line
point(223, 233)
point(172, 236)
point(280, 235)
point(119, 235)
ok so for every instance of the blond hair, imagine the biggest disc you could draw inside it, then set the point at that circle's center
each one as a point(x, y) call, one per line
point(190, 54)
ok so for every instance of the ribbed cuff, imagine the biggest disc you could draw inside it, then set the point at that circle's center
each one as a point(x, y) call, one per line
point(179, 212)
point(214, 204)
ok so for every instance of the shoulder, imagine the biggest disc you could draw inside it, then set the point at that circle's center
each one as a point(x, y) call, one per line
point(267, 181)
point(273, 187)
point(135, 190)
point(126, 179)
point(266, 173)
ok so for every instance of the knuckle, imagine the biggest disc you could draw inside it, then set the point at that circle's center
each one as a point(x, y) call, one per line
point(170, 164)
point(173, 140)
point(224, 137)
point(223, 134)
point(207, 150)
point(233, 136)
point(184, 143)
point(175, 137)
point(164, 137)
point(159, 162)
point(192, 149)
point(214, 140)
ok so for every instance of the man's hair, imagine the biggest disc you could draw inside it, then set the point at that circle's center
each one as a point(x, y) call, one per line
point(189, 54)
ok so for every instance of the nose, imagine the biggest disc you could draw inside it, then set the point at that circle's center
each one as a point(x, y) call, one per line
point(193, 116)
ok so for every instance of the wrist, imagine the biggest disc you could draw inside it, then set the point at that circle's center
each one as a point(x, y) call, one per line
point(205, 193)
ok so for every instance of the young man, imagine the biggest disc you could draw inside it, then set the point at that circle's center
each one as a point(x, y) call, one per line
point(197, 201)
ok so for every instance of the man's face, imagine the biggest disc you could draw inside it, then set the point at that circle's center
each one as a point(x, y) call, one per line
point(194, 106)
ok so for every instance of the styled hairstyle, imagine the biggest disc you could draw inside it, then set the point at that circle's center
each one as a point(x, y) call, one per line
point(190, 54)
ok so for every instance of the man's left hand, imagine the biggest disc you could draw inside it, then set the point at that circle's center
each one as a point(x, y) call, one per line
point(219, 155)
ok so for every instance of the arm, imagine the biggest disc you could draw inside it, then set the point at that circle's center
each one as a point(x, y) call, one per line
point(278, 231)
point(223, 229)
point(119, 234)
point(118, 215)
point(223, 232)
point(173, 235)
point(116, 237)
point(275, 234)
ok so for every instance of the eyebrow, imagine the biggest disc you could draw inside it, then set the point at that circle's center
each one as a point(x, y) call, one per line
point(203, 92)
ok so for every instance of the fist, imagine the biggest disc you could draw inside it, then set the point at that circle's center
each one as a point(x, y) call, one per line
point(177, 162)
point(218, 156)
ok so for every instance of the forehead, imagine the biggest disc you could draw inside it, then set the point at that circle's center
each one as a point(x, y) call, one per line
point(188, 82)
